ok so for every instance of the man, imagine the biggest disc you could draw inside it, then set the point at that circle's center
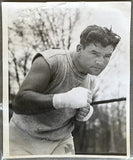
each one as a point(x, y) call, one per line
point(55, 92)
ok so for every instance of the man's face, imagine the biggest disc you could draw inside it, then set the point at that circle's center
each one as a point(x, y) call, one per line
point(94, 58)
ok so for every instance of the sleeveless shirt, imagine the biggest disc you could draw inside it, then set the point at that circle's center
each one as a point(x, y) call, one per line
point(55, 124)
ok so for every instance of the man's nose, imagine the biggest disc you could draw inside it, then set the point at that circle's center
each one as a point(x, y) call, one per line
point(100, 61)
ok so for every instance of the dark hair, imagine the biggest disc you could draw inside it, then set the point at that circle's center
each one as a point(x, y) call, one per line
point(97, 34)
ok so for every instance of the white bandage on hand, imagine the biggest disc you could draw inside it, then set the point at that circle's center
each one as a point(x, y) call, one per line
point(84, 114)
point(76, 98)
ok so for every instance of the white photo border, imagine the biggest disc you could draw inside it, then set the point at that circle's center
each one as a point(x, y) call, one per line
point(4, 141)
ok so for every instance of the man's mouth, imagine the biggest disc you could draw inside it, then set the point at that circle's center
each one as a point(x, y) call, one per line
point(96, 68)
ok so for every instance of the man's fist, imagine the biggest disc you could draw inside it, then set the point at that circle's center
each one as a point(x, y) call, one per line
point(84, 113)
point(76, 98)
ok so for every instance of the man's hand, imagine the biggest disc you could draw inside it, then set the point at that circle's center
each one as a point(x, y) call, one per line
point(76, 98)
point(84, 113)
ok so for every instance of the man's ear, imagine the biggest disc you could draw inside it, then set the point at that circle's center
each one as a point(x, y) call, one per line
point(79, 47)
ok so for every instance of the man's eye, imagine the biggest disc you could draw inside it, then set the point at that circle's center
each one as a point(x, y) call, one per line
point(108, 56)
point(95, 53)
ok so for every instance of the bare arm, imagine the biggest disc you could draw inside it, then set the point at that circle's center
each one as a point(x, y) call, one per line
point(30, 98)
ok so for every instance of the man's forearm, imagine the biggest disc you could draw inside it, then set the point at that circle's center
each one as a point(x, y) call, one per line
point(30, 102)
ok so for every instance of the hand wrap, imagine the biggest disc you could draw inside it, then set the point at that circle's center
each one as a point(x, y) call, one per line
point(76, 98)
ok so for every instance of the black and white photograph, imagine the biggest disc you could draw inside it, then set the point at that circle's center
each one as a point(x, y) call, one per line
point(67, 66)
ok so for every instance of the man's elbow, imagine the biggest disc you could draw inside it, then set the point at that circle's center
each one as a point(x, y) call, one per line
point(18, 105)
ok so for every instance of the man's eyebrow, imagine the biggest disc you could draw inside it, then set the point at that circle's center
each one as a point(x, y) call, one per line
point(109, 54)
point(95, 51)
point(100, 52)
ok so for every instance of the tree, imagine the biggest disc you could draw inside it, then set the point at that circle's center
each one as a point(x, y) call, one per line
point(35, 31)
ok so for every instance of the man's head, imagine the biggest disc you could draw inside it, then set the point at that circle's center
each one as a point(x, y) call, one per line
point(95, 49)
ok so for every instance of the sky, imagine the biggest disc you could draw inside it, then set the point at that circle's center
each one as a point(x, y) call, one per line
point(106, 14)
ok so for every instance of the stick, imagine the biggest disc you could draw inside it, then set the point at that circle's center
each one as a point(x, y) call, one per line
point(109, 101)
